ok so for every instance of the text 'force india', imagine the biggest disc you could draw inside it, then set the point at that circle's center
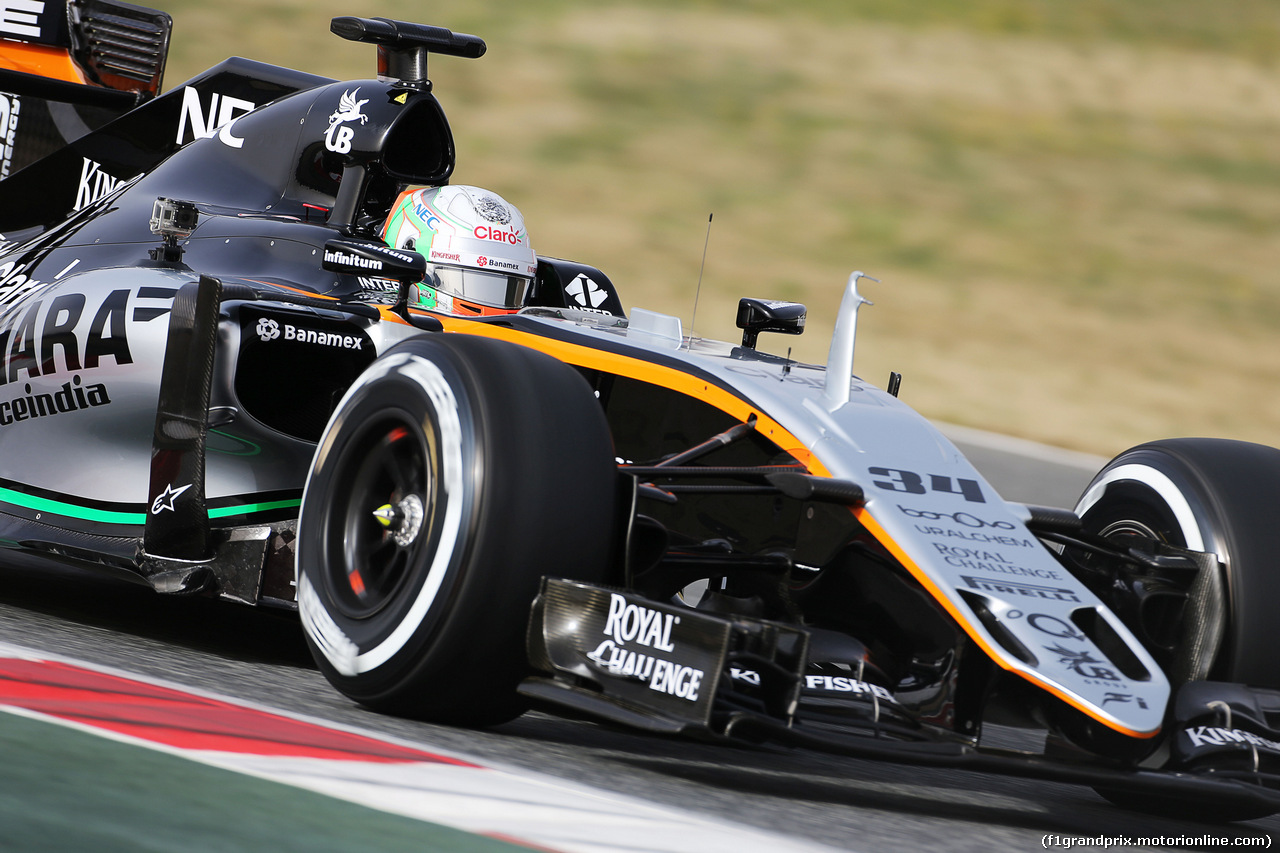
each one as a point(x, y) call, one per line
point(212, 369)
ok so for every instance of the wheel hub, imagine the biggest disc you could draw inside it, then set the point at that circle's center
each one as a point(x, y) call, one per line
point(402, 520)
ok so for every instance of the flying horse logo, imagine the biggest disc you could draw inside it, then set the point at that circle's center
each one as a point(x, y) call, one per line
point(338, 137)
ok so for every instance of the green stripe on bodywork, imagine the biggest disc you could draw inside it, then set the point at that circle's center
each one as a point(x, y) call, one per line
point(104, 516)
point(71, 510)
point(223, 512)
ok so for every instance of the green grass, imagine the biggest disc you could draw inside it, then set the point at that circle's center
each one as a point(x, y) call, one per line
point(1244, 27)
point(1072, 206)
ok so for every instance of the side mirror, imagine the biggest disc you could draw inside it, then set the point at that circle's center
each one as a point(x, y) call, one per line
point(357, 257)
point(767, 315)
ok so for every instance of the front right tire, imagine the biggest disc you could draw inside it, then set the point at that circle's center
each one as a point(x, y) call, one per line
point(1211, 495)
point(1215, 496)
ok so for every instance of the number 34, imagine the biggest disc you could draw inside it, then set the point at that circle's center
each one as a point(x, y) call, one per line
point(912, 483)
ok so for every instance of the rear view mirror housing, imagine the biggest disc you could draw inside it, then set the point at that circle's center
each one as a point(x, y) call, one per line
point(768, 315)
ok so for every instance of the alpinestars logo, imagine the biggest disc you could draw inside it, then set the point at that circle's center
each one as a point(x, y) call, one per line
point(164, 500)
point(268, 329)
point(338, 137)
point(586, 292)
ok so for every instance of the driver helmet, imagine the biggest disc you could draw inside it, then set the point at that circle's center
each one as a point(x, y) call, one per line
point(479, 261)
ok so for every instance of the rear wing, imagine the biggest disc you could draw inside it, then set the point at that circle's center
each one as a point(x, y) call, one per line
point(68, 67)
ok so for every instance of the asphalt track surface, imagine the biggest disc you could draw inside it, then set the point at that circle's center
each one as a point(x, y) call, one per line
point(843, 803)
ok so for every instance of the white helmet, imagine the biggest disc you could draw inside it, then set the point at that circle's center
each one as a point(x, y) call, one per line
point(478, 256)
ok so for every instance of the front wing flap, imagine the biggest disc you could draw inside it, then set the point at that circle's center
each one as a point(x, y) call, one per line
point(661, 667)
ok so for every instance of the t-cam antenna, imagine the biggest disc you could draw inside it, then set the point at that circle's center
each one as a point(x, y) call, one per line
point(698, 291)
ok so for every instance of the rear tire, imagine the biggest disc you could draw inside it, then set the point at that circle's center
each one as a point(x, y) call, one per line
point(455, 473)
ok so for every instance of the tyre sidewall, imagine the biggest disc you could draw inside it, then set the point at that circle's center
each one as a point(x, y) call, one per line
point(538, 497)
point(434, 395)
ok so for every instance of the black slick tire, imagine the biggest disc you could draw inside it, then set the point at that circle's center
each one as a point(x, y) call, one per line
point(1215, 496)
point(1211, 495)
point(454, 474)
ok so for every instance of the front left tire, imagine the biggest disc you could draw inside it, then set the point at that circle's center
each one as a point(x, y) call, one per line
point(454, 474)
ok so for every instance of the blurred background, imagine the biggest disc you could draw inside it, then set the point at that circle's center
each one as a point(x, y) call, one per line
point(1072, 207)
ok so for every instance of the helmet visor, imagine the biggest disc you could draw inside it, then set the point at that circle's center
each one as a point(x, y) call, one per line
point(496, 289)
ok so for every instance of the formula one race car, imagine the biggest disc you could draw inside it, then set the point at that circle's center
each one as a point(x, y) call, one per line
point(214, 368)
